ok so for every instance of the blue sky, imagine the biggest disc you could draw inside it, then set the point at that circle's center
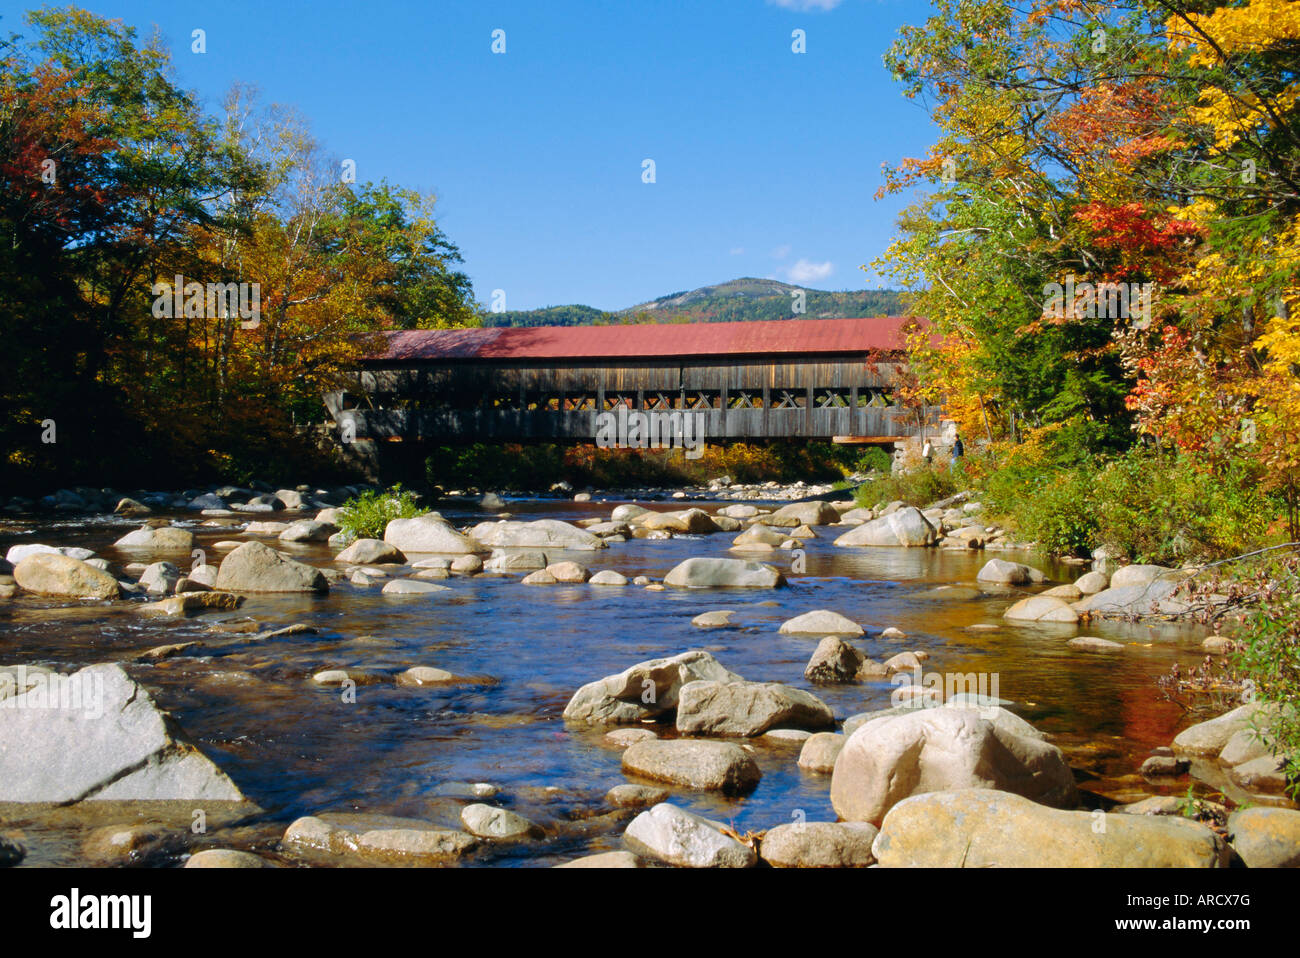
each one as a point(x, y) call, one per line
point(766, 161)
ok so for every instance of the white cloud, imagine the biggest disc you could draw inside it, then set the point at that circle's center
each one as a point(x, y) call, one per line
point(806, 272)
point(781, 252)
point(802, 5)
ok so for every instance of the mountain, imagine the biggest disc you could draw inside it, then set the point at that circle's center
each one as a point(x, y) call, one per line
point(738, 300)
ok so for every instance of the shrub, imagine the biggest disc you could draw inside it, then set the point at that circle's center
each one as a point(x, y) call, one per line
point(916, 487)
point(367, 515)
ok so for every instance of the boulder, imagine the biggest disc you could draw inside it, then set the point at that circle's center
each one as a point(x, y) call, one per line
point(636, 796)
point(466, 565)
point(568, 572)
point(1266, 837)
point(97, 735)
point(488, 821)
point(645, 690)
point(834, 660)
point(508, 562)
point(164, 539)
point(1090, 643)
point(55, 574)
point(1211, 736)
point(1090, 583)
point(803, 514)
point(1154, 597)
point(821, 622)
point(695, 521)
point(226, 858)
point(701, 764)
point(1002, 572)
point(17, 554)
point(819, 845)
point(604, 860)
point(671, 834)
point(911, 751)
point(540, 577)
point(821, 750)
point(708, 573)
point(308, 530)
point(739, 708)
point(627, 512)
point(412, 587)
point(1042, 608)
point(255, 567)
point(1137, 575)
point(371, 552)
point(903, 527)
point(758, 534)
point(981, 828)
point(160, 578)
point(608, 577)
point(192, 603)
point(716, 619)
point(540, 534)
point(429, 534)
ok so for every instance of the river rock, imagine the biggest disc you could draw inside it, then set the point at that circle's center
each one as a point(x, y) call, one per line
point(819, 845)
point(1002, 572)
point(412, 587)
point(821, 750)
point(1211, 736)
point(52, 573)
point(627, 512)
point(17, 554)
point(510, 562)
point(636, 796)
point(467, 565)
point(673, 835)
point(268, 528)
point(803, 514)
point(695, 521)
point(164, 539)
point(708, 573)
point(371, 552)
point(834, 660)
point(1131, 575)
point(1266, 774)
point(428, 533)
point(621, 698)
point(623, 737)
point(160, 578)
point(1154, 597)
point(568, 572)
point(821, 622)
point(758, 534)
point(11, 852)
point(739, 708)
point(112, 743)
point(904, 527)
point(308, 530)
point(540, 534)
point(717, 619)
point(702, 764)
point(226, 858)
point(608, 577)
point(1266, 837)
point(488, 821)
point(1042, 608)
point(894, 756)
point(425, 675)
point(540, 577)
point(1245, 745)
point(255, 567)
point(1090, 643)
point(192, 603)
point(604, 860)
point(982, 828)
point(1090, 583)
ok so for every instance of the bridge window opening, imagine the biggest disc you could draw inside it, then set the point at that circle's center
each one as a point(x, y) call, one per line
point(790, 400)
point(831, 398)
point(744, 400)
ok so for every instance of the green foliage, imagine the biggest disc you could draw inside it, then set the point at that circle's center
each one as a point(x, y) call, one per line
point(917, 487)
point(874, 459)
point(367, 515)
point(1269, 656)
point(1148, 507)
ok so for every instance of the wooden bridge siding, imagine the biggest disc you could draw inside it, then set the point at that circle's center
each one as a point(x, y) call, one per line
point(468, 381)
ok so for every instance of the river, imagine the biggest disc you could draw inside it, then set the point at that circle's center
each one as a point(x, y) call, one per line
point(295, 748)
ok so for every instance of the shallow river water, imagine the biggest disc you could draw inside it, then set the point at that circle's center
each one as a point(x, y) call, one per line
point(295, 748)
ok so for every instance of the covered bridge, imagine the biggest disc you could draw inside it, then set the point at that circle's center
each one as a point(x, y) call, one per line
point(797, 378)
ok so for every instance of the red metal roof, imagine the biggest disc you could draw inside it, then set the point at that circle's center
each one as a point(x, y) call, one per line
point(765, 337)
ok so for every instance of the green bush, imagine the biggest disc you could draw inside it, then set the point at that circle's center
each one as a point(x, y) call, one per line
point(367, 515)
point(874, 459)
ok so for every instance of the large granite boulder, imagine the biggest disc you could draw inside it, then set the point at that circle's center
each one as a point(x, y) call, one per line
point(909, 752)
point(254, 567)
point(96, 734)
point(981, 828)
point(706, 765)
point(645, 690)
point(54, 574)
point(903, 527)
point(707, 573)
point(429, 533)
point(739, 708)
point(539, 534)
